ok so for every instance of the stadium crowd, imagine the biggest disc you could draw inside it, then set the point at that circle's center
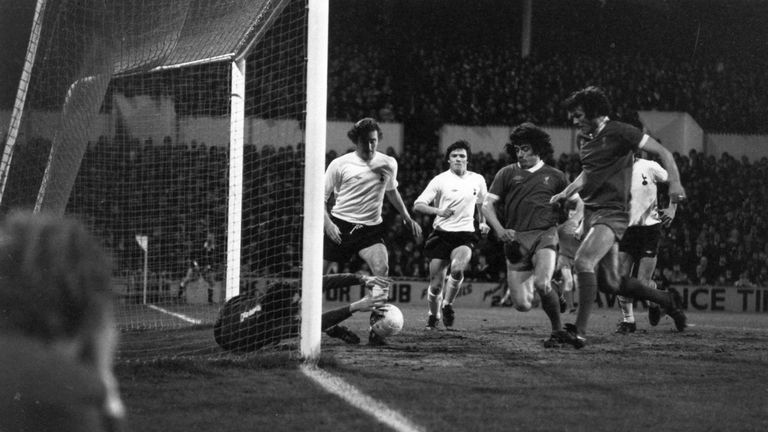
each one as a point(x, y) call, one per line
point(719, 236)
point(455, 76)
point(475, 75)
point(472, 86)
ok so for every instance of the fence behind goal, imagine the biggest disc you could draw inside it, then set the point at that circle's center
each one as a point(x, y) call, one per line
point(172, 129)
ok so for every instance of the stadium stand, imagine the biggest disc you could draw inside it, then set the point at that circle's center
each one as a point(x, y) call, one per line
point(468, 78)
point(718, 237)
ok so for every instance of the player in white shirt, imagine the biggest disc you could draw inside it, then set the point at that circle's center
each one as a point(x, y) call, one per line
point(453, 196)
point(359, 181)
point(640, 244)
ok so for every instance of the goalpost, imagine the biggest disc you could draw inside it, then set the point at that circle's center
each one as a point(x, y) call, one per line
point(190, 137)
point(317, 89)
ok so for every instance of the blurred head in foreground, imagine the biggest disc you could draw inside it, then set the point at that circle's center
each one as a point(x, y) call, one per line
point(57, 320)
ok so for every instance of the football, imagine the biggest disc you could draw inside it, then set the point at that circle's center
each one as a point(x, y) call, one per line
point(387, 321)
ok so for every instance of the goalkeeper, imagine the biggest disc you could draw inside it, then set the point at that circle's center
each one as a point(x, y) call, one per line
point(247, 323)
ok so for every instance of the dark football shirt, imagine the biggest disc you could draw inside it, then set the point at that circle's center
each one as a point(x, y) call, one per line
point(606, 161)
point(524, 196)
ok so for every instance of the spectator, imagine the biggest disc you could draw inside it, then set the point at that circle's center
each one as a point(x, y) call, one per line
point(57, 328)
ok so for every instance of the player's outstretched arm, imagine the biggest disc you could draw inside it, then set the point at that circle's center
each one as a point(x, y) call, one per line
point(368, 303)
point(376, 281)
point(393, 195)
point(576, 185)
point(489, 211)
point(365, 304)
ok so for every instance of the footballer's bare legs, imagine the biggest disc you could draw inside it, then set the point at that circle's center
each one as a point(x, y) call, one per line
point(568, 286)
point(646, 267)
point(459, 261)
point(625, 303)
point(598, 242)
point(437, 269)
point(377, 259)
point(521, 288)
point(544, 267)
point(326, 266)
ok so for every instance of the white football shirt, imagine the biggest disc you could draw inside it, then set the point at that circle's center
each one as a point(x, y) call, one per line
point(359, 186)
point(643, 204)
point(461, 194)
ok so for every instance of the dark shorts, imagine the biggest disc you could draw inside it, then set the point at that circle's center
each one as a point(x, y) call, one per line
point(440, 244)
point(354, 237)
point(520, 252)
point(641, 241)
point(616, 220)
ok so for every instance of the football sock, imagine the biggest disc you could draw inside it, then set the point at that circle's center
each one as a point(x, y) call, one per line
point(550, 303)
point(452, 288)
point(627, 310)
point(643, 290)
point(433, 301)
point(587, 293)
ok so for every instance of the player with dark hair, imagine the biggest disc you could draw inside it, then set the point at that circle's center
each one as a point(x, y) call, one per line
point(359, 181)
point(604, 185)
point(520, 194)
point(57, 328)
point(456, 193)
point(640, 244)
point(248, 322)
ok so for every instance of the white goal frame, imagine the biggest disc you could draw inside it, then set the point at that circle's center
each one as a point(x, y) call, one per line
point(314, 167)
point(315, 146)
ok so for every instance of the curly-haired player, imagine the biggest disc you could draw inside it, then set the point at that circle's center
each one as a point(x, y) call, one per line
point(527, 222)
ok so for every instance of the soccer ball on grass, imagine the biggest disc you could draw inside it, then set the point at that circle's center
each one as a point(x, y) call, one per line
point(387, 320)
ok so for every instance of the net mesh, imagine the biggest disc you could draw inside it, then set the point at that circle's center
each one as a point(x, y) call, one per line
point(126, 124)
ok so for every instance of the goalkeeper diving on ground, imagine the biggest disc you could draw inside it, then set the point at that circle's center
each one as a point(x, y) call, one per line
point(248, 323)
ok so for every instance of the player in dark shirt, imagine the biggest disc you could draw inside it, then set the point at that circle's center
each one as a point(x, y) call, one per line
point(607, 156)
point(517, 208)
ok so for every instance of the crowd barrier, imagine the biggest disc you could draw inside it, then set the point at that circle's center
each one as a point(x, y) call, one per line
point(483, 294)
point(472, 294)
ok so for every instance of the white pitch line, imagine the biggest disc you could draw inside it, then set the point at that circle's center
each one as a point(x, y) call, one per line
point(177, 315)
point(737, 328)
point(377, 409)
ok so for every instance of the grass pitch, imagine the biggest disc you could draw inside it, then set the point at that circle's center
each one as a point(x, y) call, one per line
point(489, 374)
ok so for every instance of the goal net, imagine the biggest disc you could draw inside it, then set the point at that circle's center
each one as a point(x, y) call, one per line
point(175, 130)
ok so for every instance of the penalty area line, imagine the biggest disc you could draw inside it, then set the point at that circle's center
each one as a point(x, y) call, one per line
point(177, 315)
point(349, 393)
